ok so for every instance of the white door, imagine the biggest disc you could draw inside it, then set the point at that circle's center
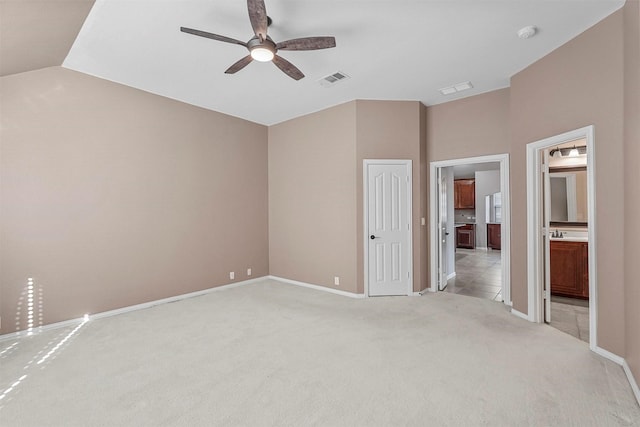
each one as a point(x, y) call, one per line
point(546, 233)
point(389, 227)
point(442, 230)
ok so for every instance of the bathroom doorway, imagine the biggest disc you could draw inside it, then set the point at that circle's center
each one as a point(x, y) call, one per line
point(561, 233)
point(566, 218)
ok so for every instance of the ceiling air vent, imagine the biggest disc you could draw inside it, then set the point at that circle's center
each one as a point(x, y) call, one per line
point(456, 88)
point(332, 79)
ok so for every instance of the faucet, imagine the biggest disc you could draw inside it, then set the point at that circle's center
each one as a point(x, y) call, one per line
point(557, 234)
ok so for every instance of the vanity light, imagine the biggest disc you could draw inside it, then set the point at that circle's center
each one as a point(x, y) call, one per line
point(568, 152)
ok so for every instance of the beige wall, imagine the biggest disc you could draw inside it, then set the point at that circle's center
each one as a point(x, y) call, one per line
point(632, 178)
point(312, 204)
point(36, 34)
point(112, 196)
point(315, 188)
point(469, 127)
point(391, 130)
point(578, 84)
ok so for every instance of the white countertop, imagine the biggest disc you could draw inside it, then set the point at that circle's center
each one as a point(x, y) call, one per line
point(570, 235)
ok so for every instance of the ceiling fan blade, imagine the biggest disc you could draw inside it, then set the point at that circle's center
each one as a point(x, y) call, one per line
point(212, 36)
point(288, 68)
point(258, 18)
point(239, 65)
point(307, 43)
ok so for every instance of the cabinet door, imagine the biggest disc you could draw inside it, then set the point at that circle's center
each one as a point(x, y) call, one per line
point(466, 237)
point(465, 194)
point(494, 236)
point(585, 270)
point(567, 269)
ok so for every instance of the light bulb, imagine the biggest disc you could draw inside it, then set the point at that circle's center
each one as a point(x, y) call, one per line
point(574, 152)
point(262, 54)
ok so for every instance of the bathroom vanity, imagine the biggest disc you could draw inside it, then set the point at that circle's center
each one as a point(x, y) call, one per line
point(569, 268)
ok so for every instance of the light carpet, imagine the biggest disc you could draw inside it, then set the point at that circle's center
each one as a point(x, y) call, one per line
point(272, 354)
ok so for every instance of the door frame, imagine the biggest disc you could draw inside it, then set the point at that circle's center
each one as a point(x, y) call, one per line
point(442, 260)
point(535, 244)
point(505, 241)
point(365, 213)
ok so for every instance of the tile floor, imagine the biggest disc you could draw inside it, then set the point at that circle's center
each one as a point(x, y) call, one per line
point(570, 316)
point(478, 274)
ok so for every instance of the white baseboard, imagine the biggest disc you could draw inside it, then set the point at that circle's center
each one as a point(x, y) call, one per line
point(519, 314)
point(625, 366)
point(608, 355)
point(632, 380)
point(71, 322)
point(316, 287)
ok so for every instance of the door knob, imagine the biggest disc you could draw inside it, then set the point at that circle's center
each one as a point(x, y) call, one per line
point(374, 237)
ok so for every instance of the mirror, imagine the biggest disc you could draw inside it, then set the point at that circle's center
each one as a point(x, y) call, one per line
point(568, 197)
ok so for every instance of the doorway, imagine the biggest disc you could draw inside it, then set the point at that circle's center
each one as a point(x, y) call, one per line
point(388, 250)
point(494, 264)
point(561, 227)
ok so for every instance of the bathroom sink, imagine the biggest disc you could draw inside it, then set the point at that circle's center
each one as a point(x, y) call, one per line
point(570, 239)
point(571, 236)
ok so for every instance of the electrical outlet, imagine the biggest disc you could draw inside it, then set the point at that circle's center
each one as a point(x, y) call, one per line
point(336, 281)
point(424, 221)
point(248, 272)
point(232, 275)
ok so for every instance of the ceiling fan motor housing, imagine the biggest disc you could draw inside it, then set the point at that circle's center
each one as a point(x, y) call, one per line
point(262, 50)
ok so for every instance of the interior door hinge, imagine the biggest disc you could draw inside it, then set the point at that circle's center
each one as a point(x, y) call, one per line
point(546, 294)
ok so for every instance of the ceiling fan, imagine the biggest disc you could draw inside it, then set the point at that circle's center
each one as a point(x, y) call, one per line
point(262, 48)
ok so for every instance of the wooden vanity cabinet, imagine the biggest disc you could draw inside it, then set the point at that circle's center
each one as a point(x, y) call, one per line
point(569, 268)
point(464, 193)
point(494, 234)
point(466, 236)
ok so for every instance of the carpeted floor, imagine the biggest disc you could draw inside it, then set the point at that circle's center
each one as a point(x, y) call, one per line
point(272, 354)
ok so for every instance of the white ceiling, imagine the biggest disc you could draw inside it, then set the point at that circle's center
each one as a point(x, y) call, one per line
point(392, 49)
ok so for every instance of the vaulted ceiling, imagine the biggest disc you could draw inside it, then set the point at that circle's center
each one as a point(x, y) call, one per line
point(391, 49)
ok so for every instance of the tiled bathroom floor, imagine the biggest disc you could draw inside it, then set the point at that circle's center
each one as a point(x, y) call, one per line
point(570, 316)
point(478, 274)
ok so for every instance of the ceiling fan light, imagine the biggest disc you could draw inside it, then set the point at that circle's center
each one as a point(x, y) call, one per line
point(262, 54)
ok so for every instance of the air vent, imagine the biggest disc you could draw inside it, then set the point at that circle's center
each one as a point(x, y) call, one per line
point(332, 79)
point(456, 88)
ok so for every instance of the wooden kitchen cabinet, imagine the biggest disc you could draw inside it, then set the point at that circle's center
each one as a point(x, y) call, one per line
point(494, 235)
point(464, 193)
point(466, 236)
point(569, 268)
